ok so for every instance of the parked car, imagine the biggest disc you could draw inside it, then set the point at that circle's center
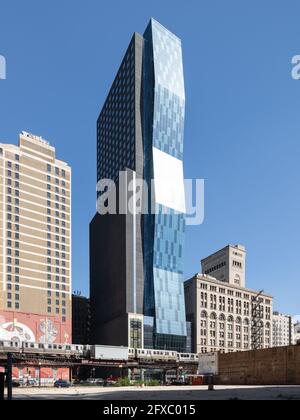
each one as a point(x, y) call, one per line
point(16, 384)
point(89, 382)
point(94, 382)
point(99, 382)
point(178, 382)
point(31, 382)
point(110, 382)
point(62, 384)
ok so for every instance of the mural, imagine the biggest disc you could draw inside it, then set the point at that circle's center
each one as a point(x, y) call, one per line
point(48, 330)
point(15, 326)
point(15, 331)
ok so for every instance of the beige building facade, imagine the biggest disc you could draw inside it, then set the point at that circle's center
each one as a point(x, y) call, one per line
point(222, 316)
point(35, 242)
point(282, 330)
point(227, 265)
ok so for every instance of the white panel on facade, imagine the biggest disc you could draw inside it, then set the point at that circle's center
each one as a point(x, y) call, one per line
point(168, 181)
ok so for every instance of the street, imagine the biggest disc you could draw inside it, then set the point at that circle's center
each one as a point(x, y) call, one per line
point(160, 393)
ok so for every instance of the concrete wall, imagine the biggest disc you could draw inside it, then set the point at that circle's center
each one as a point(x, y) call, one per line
point(278, 366)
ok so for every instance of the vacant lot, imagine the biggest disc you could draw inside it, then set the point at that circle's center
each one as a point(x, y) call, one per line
point(160, 393)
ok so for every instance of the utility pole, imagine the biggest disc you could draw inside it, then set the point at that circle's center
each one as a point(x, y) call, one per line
point(2, 385)
point(256, 323)
point(9, 375)
point(40, 379)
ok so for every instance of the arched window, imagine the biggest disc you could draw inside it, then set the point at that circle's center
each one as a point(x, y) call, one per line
point(222, 317)
point(239, 320)
point(230, 318)
point(213, 315)
point(203, 314)
point(237, 279)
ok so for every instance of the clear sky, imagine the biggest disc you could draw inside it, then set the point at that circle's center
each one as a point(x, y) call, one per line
point(242, 125)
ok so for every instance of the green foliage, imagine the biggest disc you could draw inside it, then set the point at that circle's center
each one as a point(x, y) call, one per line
point(124, 382)
point(153, 382)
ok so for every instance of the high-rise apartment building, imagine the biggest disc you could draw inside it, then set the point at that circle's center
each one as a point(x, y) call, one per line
point(35, 243)
point(136, 259)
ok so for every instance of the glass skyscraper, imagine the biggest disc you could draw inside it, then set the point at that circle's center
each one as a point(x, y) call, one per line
point(137, 260)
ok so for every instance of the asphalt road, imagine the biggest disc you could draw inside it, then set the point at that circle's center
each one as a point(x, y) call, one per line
point(160, 393)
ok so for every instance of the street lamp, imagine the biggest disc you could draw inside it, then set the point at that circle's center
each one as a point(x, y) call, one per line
point(40, 374)
point(121, 370)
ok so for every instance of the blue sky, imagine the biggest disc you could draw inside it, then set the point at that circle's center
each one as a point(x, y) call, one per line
point(242, 125)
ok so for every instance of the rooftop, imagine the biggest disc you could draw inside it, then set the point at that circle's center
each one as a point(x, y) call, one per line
point(213, 280)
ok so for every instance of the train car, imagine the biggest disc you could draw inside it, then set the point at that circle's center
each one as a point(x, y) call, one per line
point(78, 350)
point(42, 348)
point(156, 355)
point(188, 357)
point(86, 351)
point(98, 352)
point(131, 353)
point(10, 346)
point(64, 349)
point(32, 348)
point(50, 349)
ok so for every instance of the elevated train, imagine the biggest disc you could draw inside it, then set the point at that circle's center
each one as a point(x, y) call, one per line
point(95, 352)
